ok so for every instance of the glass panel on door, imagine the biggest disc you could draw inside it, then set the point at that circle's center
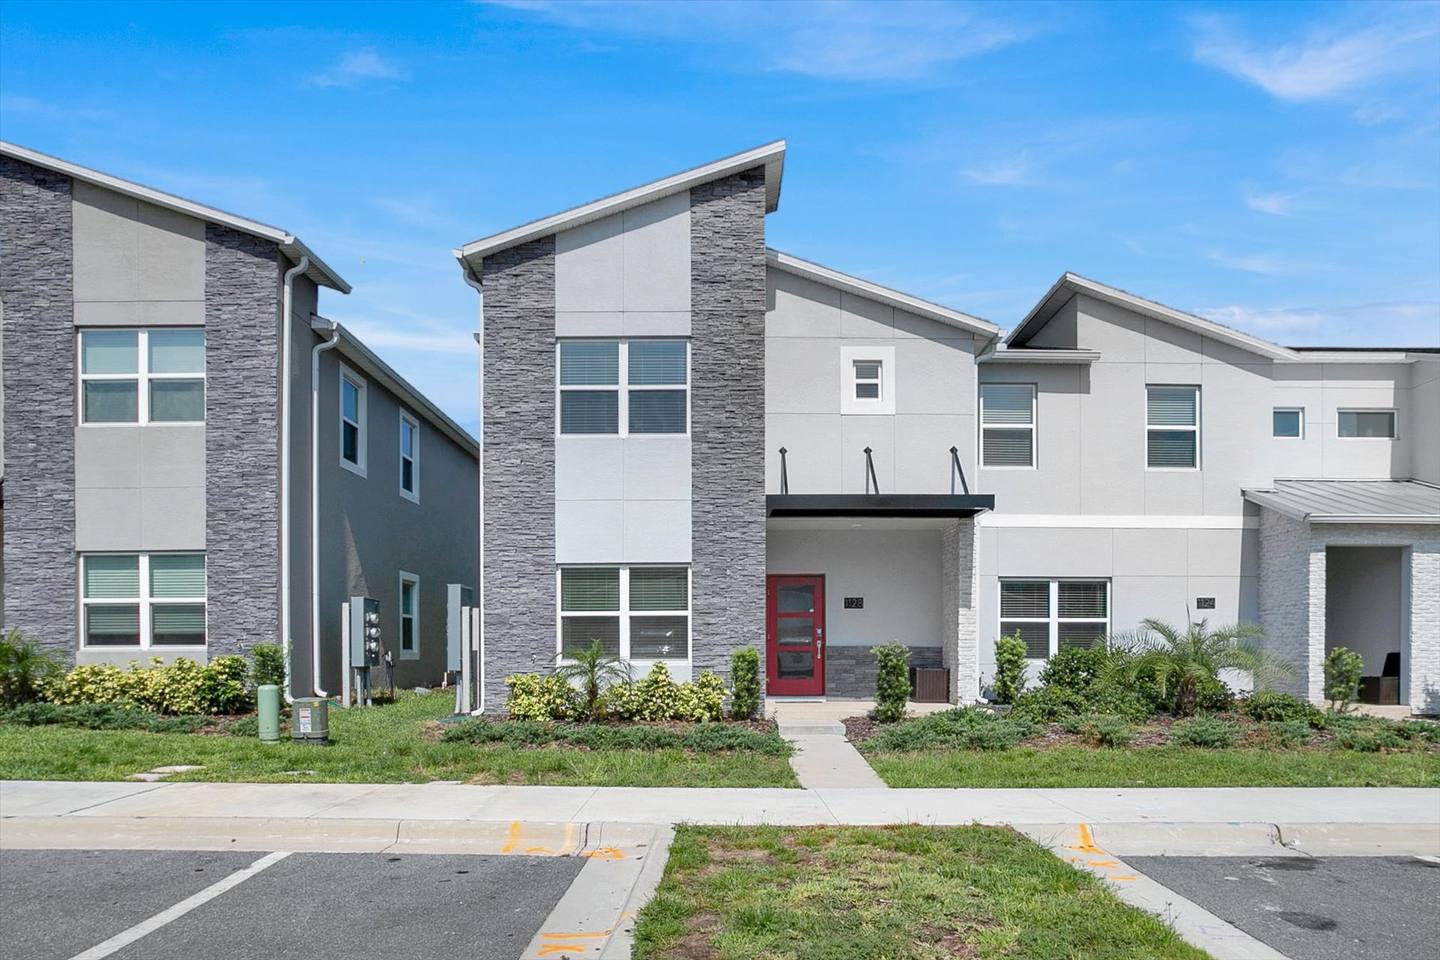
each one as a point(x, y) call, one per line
point(795, 598)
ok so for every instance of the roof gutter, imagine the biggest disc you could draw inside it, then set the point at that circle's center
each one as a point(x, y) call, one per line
point(470, 279)
point(287, 333)
point(318, 349)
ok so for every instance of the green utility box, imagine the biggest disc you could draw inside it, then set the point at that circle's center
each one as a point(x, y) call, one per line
point(310, 720)
point(267, 705)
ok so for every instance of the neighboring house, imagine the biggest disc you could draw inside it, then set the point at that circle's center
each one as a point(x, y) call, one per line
point(693, 443)
point(152, 476)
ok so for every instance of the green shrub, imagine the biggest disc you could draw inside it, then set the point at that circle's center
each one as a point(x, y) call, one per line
point(591, 672)
point(1206, 731)
point(1076, 669)
point(1343, 668)
point(267, 665)
point(745, 683)
point(533, 697)
point(1371, 734)
point(1274, 705)
point(703, 738)
point(1369, 739)
point(101, 716)
point(702, 699)
point(248, 726)
point(1048, 705)
point(1288, 733)
point(892, 682)
point(1010, 665)
point(1214, 695)
point(967, 728)
point(657, 695)
point(25, 670)
point(1107, 729)
point(179, 687)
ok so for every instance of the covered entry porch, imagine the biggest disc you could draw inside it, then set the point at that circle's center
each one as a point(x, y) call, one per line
point(846, 573)
point(1355, 564)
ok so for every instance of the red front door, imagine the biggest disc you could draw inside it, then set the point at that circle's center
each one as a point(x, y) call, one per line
point(795, 635)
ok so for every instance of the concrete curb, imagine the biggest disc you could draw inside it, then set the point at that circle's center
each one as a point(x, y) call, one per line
point(1248, 839)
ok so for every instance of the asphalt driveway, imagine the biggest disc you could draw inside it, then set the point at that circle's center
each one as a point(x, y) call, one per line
point(59, 904)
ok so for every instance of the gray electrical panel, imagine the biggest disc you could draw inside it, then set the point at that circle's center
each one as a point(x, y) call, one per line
point(364, 632)
point(456, 597)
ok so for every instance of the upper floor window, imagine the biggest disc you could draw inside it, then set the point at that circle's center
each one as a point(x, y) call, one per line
point(867, 379)
point(867, 376)
point(1172, 427)
point(1007, 425)
point(352, 420)
point(409, 457)
point(142, 600)
point(1055, 615)
point(652, 397)
point(149, 375)
point(1366, 424)
point(1287, 423)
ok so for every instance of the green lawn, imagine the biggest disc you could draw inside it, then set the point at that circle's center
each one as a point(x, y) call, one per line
point(1167, 766)
point(886, 893)
point(375, 745)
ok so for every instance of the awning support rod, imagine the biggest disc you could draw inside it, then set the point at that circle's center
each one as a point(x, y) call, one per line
point(955, 459)
point(872, 485)
point(784, 473)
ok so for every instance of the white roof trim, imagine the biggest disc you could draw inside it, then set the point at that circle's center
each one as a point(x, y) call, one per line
point(1378, 355)
point(1070, 284)
point(353, 348)
point(771, 156)
point(864, 288)
point(319, 271)
point(1003, 354)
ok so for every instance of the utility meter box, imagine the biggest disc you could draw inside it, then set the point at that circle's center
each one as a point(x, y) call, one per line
point(310, 720)
point(364, 632)
point(457, 597)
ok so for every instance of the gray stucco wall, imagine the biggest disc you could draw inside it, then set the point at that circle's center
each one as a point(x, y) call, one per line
point(519, 292)
point(242, 449)
point(727, 244)
point(36, 278)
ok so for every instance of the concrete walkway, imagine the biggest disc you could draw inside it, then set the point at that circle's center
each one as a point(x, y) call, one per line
point(823, 757)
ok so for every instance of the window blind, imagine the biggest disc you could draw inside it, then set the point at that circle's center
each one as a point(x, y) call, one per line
point(659, 362)
point(177, 575)
point(583, 590)
point(659, 638)
point(1170, 406)
point(659, 589)
point(589, 363)
point(657, 411)
point(578, 633)
point(1024, 599)
point(1170, 448)
point(1007, 404)
point(1082, 599)
point(589, 411)
point(107, 577)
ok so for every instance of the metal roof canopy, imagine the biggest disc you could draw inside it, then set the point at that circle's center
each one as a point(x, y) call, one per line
point(876, 505)
point(1352, 501)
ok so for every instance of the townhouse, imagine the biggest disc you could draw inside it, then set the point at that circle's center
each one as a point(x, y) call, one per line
point(167, 490)
point(692, 442)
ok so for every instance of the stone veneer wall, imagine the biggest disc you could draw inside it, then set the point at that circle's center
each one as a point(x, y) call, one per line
point(727, 402)
point(1292, 598)
point(519, 535)
point(960, 591)
point(36, 288)
point(850, 671)
point(242, 440)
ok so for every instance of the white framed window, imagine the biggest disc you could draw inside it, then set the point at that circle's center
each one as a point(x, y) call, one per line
point(1355, 424)
point(634, 612)
point(409, 616)
point(142, 375)
point(1288, 423)
point(1007, 425)
point(1055, 615)
point(1172, 427)
point(409, 457)
point(353, 416)
point(652, 396)
point(867, 380)
point(142, 600)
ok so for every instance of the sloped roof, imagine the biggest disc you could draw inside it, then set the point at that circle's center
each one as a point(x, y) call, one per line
point(1070, 284)
point(289, 244)
point(873, 291)
point(1352, 501)
point(771, 156)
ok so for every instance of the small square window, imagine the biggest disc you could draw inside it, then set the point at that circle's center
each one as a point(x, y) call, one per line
point(867, 379)
point(1287, 423)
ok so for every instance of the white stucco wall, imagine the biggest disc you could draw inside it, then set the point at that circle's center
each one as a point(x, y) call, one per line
point(1364, 610)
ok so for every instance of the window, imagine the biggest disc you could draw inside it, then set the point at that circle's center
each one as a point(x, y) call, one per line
point(409, 457)
point(409, 616)
point(353, 415)
point(1172, 428)
point(652, 397)
point(639, 613)
point(154, 375)
point(1007, 425)
point(867, 379)
point(142, 600)
point(1055, 615)
point(1288, 423)
point(1366, 424)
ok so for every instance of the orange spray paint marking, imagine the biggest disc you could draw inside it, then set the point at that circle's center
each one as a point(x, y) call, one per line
point(1087, 841)
point(604, 853)
point(513, 840)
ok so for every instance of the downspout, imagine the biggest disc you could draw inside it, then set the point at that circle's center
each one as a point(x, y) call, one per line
point(315, 506)
point(469, 276)
point(286, 327)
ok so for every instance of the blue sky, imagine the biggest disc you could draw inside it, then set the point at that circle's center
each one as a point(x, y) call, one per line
point(1272, 166)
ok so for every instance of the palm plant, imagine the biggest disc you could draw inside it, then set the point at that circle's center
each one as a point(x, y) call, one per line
point(1180, 661)
point(593, 671)
point(25, 667)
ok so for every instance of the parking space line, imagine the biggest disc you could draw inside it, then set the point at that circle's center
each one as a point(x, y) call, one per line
point(146, 927)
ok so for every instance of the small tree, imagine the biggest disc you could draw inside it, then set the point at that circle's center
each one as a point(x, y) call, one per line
point(1343, 668)
point(892, 681)
point(744, 682)
point(592, 671)
point(1010, 666)
point(25, 669)
point(1182, 661)
point(267, 665)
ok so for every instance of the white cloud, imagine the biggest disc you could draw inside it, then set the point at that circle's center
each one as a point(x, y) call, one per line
point(1329, 61)
point(1275, 204)
point(1003, 173)
point(356, 66)
point(830, 39)
point(1262, 263)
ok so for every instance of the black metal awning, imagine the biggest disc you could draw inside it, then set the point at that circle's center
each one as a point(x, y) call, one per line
point(877, 505)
